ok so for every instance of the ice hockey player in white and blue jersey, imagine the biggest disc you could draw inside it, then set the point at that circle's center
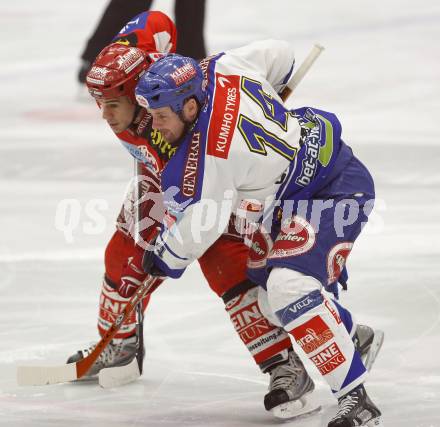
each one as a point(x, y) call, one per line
point(240, 150)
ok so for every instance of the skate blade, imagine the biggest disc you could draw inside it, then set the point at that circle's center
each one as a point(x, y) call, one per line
point(375, 347)
point(297, 408)
point(375, 422)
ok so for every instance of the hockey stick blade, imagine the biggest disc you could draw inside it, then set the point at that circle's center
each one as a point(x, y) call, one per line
point(44, 375)
point(119, 375)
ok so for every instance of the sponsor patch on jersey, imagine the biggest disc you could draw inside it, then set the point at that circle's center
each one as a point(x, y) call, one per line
point(299, 307)
point(189, 179)
point(259, 249)
point(312, 334)
point(309, 164)
point(224, 115)
point(161, 146)
point(336, 260)
point(328, 359)
point(297, 236)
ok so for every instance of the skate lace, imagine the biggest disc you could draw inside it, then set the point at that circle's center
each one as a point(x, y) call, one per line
point(284, 376)
point(108, 355)
point(346, 405)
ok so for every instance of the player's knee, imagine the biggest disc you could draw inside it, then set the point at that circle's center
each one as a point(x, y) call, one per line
point(285, 286)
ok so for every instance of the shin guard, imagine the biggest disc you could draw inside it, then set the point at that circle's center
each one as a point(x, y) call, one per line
point(111, 304)
point(266, 343)
point(311, 318)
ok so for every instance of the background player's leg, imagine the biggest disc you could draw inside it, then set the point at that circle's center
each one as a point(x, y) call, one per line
point(190, 18)
point(224, 266)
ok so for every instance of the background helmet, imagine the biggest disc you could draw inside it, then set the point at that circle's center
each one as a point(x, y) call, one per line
point(169, 82)
point(116, 71)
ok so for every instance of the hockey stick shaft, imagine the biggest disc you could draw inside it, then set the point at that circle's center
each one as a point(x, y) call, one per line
point(302, 71)
point(137, 238)
point(136, 300)
point(43, 375)
point(137, 198)
point(83, 365)
point(140, 335)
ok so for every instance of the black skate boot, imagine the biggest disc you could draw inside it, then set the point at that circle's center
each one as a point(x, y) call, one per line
point(119, 352)
point(290, 389)
point(368, 343)
point(356, 409)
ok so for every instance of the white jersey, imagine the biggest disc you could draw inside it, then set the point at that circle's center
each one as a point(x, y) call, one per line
point(241, 152)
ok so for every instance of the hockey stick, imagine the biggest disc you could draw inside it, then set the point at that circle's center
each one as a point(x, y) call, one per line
point(302, 71)
point(119, 375)
point(43, 375)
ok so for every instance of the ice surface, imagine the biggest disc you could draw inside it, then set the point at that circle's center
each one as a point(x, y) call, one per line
point(379, 73)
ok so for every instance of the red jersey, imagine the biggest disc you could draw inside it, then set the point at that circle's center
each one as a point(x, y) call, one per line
point(150, 31)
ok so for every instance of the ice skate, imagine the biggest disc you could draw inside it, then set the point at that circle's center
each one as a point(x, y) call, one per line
point(356, 409)
point(119, 352)
point(290, 389)
point(368, 342)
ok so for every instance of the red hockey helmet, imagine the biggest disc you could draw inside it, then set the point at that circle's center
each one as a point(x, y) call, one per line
point(116, 71)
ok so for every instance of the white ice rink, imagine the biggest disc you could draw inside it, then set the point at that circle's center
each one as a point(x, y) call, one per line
point(380, 73)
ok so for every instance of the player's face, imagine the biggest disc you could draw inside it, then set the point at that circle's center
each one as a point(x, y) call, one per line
point(168, 123)
point(118, 112)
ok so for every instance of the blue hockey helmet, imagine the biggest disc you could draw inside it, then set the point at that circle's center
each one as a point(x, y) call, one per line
point(169, 82)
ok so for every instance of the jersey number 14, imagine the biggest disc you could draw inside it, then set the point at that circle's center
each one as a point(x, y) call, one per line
point(255, 134)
